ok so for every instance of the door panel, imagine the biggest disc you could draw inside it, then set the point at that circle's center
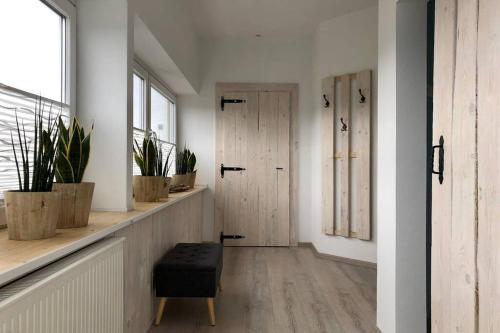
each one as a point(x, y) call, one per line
point(444, 65)
point(454, 216)
point(488, 138)
point(240, 195)
point(254, 135)
point(463, 173)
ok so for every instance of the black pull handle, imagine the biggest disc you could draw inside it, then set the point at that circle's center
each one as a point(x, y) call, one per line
point(326, 105)
point(362, 98)
point(440, 170)
point(224, 169)
point(279, 168)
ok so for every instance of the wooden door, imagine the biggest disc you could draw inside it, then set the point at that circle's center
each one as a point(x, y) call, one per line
point(254, 135)
point(466, 204)
point(488, 166)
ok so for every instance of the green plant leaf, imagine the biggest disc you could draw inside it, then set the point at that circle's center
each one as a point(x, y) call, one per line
point(64, 171)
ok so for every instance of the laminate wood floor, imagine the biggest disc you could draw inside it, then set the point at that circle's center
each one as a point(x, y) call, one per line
point(281, 290)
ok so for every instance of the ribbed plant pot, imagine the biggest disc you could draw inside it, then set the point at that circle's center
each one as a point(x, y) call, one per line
point(191, 179)
point(32, 215)
point(166, 187)
point(76, 200)
point(148, 188)
point(178, 180)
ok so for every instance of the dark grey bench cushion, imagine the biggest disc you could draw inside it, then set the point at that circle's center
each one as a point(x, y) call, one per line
point(189, 270)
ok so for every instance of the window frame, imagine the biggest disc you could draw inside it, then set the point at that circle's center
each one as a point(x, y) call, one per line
point(150, 81)
point(67, 9)
point(143, 74)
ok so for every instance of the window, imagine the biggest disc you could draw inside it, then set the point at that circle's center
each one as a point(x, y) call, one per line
point(139, 102)
point(36, 60)
point(162, 116)
point(154, 110)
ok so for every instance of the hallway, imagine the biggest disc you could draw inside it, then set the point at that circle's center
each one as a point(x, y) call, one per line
point(281, 290)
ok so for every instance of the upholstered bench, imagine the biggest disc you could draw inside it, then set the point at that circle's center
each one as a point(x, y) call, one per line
point(189, 270)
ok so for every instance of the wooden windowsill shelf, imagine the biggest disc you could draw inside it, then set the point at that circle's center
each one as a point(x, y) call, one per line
point(17, 258)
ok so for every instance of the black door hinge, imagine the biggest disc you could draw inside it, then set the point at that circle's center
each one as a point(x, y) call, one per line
point(224, 169)
point(233, 101)
point(222, 237)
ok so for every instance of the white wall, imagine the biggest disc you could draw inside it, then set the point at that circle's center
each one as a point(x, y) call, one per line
point(343, 45)
point(386, 168)
point(171, 24)
point(304, 60)
point(104, 90)
point(247, 60)
point(401, 280)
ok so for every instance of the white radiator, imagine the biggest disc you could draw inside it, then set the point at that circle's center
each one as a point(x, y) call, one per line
point(82, 293)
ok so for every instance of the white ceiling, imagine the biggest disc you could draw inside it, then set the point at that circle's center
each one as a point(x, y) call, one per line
point(246, 18)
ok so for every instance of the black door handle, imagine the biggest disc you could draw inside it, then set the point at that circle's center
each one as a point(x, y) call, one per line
point(223, 169)
point(440, 171)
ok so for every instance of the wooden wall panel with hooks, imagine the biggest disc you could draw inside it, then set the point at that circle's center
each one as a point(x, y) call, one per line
point(346, 155)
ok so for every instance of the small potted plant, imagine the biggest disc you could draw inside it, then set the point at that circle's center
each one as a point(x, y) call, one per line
point(149, 186)
point(164, 169)
point(71, 162)
point(33, 210)
point(186, 174)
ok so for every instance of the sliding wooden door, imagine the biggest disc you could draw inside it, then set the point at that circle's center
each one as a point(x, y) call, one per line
point(253, 166)
point(465, 207)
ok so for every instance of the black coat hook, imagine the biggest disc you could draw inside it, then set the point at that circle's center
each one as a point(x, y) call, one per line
point(344, 125)
point(327, 102)
point(363, 98)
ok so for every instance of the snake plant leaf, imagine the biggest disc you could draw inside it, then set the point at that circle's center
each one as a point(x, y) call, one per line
point(74, 147)
point(150, 158)
point(64, 171)
point(63, 132)
point(191, 162)
point(74, 154)
point(85, 148)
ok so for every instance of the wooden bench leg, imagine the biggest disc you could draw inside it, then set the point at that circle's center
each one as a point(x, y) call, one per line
point(161, 307)
point(211, 310)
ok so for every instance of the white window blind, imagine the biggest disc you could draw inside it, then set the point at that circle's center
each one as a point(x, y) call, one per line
point(12, 101)
point(165, 147)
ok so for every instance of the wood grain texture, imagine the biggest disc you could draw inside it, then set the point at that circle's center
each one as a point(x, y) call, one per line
point(463, 172)
point(282, 226)
point(444, 71)
point(76, 200)
point(146, 241)
point(327, 157)
point(256, 135)
point(32, 215)
point(344, 159)
point(294, 164)
point(148, 188)
point(488, 139)
point(137, 268)
point(281, 290)
point(361, 128)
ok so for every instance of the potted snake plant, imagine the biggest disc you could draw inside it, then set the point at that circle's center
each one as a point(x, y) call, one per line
point(164, 170)
point(148, 187)
point(71, 162)
point(185, 172)
point(32, 211)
